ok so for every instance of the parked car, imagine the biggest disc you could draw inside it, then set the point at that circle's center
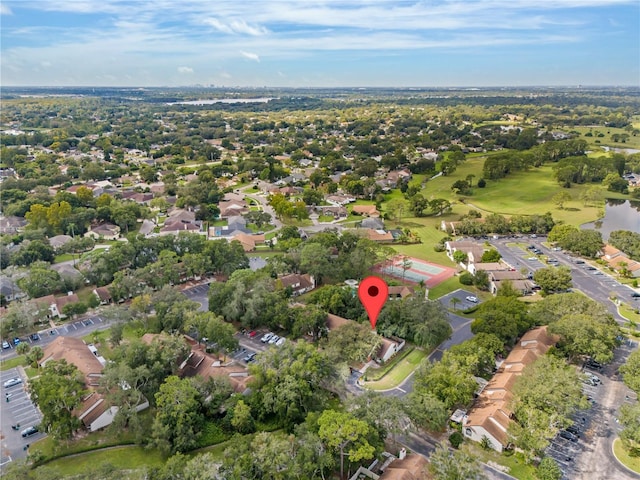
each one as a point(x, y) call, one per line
point(590, 268)
point(573, 429)
point(16, 341)
point(252, 334)
point(250, 358)
point(5, 344)
point(27, 432)
point(34, 337)
point(280, 341)
point(568, 436)
point(274, 339)
point(579, 262)
point(266, 337)
point(635, 295)
point(12, 382)
point(471, 299)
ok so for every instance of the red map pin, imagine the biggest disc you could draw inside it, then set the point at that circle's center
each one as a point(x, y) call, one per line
point(373, 293)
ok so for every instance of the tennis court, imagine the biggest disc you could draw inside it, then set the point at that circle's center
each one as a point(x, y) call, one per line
point(419, 270)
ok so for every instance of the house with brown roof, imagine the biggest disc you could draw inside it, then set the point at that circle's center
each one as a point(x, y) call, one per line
point(205, 365)
point(366, 210)
point(103, 295)
point(298, 283)
point(619, 261)
point(491, 413)
point(400, 292)
point(56, 304)
point(473, 250)
point(95, 411)
point(517, 281)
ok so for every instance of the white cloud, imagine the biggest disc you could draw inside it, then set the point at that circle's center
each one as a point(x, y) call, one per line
point(185, 70)
point(235, 27)
point(250, 56)
point(5, 10)
point(46, 64)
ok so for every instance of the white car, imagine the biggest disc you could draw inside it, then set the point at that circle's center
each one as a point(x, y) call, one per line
point(472, 299)
point(12, 381)
point(280, 341)
point(266, 337)
point(274, 339)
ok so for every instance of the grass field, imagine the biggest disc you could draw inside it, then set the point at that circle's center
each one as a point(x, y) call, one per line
point(518, 468)
point(12, 362)
point(596, 142)
point(632, 463)
point(125, 458)
point(400, 372)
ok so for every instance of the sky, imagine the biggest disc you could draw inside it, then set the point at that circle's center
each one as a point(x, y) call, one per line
point(330, 43)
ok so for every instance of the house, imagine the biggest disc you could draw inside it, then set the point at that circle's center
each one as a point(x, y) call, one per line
point(104, 231)
point(378, 236)
point(619, 261)
point(400, 292)
point(233, 208)
point(491, 415)
point(517, 281)
point(339, 200)
point(205, 365)
point(487, 267)
point(103, 294)
point(374, 223)
point(473, 250)
point(298, 284)
point(336, 211)
point(9, 290)
point(68, 272)
point(59, 241)
point(180, 220)
point(11, 224)
point(403, 467)
point(95, 411)
point(365, 210)
point(56, 304)
point(389, 347)
point(147, 227)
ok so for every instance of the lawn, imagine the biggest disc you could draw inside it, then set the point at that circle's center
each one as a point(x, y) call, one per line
point(445, 287)
point(596, 142)
point(12, 362)
point(118, 458)
point(632, 463)
point(400, 372)
point(518, 468)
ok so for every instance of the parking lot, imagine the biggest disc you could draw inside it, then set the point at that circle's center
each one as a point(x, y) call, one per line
point(77, 328)
point(462, 302)
point(17, 409)
point(250, 342)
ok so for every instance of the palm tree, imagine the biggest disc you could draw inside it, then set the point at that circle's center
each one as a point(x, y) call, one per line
point(454, 301)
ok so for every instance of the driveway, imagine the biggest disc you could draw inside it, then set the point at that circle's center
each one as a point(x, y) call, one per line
point(17, 410)
point(200, 294)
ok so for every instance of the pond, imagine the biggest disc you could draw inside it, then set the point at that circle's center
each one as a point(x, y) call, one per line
point(619, 215)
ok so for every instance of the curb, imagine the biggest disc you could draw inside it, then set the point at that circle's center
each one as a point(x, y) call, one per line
point(633, 472)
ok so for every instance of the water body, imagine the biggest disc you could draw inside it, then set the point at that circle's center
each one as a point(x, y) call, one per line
point(619, 215)
point(224, 100)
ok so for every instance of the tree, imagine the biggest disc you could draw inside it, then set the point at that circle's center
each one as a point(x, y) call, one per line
point(491, 255)
point(178, 421)
point(310, 319)
point(459, 256)
point(241, 418)
point(57, 392)
point(507, 289)
point(445, 464)
point(448, 381)
point(506, 317)
point(291, 381)
point(396, 208)
point(461, 187)
point(315, 260)
point(427, 411)
point(544, 397)
point(439, 205)
point(388, 415)
point(631, 371)
point(346, 435)
point(454, 301)
point(548, 469)
point(41, 281)
point(352, 343)
point(583, 334)
point(630, 435)
point(553, 279)
point(561, 198)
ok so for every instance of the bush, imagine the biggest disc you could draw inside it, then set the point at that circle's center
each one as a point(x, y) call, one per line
point(439, 247)
point(456, 439)
point(466, 278)
point(482, 183)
